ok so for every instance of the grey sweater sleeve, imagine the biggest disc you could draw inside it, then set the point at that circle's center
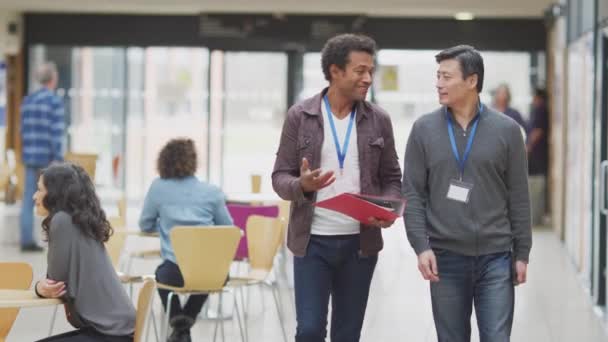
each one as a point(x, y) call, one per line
point(414, 190)
point(518, 196)
point(60, 248)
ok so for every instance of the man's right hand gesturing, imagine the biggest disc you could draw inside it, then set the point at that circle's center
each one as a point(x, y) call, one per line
point(312, 181)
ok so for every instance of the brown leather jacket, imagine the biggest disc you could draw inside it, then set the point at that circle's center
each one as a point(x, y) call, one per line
point(302, 136)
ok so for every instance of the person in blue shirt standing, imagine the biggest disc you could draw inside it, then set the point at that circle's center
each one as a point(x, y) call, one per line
point(178, 198)
point(42, 133)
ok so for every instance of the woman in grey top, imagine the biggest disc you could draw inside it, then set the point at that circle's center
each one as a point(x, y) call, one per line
point(79, 269)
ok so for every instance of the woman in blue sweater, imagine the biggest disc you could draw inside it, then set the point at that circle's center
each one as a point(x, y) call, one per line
point(178, 198)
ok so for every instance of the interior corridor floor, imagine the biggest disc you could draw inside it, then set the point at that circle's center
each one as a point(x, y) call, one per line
point(551, 307)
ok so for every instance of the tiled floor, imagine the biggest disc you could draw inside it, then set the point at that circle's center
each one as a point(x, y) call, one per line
point(552, 307)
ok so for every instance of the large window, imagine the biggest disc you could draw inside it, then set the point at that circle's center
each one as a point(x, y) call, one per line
point(124, 104)
point(255, 106)
point(405, 84)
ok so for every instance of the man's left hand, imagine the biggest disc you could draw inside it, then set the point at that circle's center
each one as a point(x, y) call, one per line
point(521, 271)
point(380, 223)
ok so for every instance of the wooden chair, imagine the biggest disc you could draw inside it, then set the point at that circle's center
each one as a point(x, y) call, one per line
point(144, 305)
point(88, 161)
point(204, 255)
point(264, 239)
point(117, 241)
point(5, 175)
point(20, 279)
point(114, 246)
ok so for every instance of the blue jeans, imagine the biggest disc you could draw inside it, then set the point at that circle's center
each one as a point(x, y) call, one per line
point(485, 281)
point(27, 205)
point(332, 265)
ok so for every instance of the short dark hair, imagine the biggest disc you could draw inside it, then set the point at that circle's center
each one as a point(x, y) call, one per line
point(540, 92)
point(177, 159)
point(337, 50)
point(470, 61)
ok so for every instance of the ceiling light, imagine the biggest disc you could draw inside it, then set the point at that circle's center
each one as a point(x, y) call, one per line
point(464, 16)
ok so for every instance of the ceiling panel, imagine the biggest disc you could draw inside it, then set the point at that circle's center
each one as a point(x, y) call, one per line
point(415, 8)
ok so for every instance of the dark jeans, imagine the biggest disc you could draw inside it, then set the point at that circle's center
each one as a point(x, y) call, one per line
point(332, 265)
point(487, 282)
point(86, 335)
point(169, 273)
point(27, 207)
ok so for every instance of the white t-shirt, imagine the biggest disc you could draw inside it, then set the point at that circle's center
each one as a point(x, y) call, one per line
point(329, 222)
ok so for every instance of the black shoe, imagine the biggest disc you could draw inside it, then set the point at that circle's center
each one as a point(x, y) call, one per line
point(181, 322)
point(181, 325)
point(32, 248)
point(180, 336)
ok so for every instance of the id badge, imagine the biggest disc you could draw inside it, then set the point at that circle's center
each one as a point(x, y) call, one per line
point(459, 191)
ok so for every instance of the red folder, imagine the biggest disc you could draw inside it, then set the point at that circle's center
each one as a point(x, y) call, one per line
point(362, 207)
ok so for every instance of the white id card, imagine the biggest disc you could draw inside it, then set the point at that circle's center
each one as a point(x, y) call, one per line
point(459, 191)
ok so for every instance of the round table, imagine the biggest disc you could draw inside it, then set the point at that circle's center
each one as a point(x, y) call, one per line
point(24, 298)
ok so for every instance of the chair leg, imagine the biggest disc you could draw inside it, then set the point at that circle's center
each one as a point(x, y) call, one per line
point(220, 310)
point(285, 272)
point(154, 326)
point(217, 321)
point(152, 319)
point(53, 320)
point(238, 319)
point(277, 301)
point(241, 290)
point(148, 331)
point(262, 297)
point(167, 316)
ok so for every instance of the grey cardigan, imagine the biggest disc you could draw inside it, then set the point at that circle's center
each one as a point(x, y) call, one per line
point(94, 295)
point(497, 217)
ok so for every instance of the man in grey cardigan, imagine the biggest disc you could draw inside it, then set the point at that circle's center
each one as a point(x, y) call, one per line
point(468, 213)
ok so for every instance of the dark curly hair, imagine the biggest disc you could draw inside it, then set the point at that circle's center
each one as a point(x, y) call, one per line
point(70, 189)
point(177, 159)
point(337, 50)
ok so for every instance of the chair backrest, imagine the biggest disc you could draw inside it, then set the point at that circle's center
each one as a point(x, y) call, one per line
point(144, 304)
point(122, 209)
point(115, 245)
point(240, 213)
point(264, 239)
point(284, 212)
point(88, 161)
point(5, 175)
point(204, 254)
point(20, 279)
point(20, 174)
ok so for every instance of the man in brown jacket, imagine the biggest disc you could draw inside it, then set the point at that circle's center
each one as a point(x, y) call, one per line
point(332, 143)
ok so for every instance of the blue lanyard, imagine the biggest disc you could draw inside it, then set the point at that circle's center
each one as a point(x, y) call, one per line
point(341, 154)
point(467, 151)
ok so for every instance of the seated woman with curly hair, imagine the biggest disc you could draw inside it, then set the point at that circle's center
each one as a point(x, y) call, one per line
point(178, 198)
point(79, 270)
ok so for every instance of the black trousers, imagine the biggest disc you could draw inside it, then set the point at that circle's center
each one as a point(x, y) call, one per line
point(86, 335)
point(169, 273)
